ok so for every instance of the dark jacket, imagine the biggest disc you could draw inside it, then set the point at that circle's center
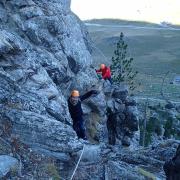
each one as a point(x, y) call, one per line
point(76, 111)
point(172, 167)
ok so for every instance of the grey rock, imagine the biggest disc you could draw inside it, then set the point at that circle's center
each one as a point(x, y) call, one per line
point(116, 105)
point(132, 122)
point(31, 32)
point(86, 109)
point(6, 164)
point(64, 157)
point(41, 131)
point(9, 43)
point(43, 56)
point(115, 170)
point(107, 89)
point(83, 82)
point(31, 12)
point(120, 108)
point(126, 141)
point(124, 163)
point(169, 106)
point(120, 92)
point(3, 15)
point(123, 116)
point(178, 108)
point(130, 102)
point(110, 104)
point(132, 110)
point(20, 3)
point(92, 153)
point(98, 104)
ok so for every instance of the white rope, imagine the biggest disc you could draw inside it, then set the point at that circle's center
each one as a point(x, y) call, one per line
point(99, 51)
point(78, 163)
point(129, 50)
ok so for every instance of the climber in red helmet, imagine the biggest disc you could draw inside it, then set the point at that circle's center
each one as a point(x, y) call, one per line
point(105, 72)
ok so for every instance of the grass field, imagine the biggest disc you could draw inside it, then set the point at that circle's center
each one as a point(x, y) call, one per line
point(155, 50)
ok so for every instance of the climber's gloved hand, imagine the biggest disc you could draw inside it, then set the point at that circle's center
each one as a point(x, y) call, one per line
point(95, 92)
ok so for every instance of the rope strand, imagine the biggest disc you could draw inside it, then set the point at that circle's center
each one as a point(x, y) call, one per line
point(78, 163)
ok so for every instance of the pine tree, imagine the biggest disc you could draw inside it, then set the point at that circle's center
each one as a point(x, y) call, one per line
point(121, 67)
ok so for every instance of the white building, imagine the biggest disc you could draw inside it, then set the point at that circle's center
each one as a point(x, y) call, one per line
point(176, 80)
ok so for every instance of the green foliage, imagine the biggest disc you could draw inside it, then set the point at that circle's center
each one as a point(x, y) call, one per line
point(148, 138)
point(121, 67)
point(99, 76)
point(52, 171)
point(14, 171)
point(168, 128)
point(161, 123)
point(153, 126)
point(92, 128)
point(147, 174)
point(178, 117)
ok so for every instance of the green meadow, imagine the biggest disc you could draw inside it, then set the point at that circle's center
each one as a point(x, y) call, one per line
point(155, 49)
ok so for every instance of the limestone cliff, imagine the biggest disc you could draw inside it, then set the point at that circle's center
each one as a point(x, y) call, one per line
point(44, 54)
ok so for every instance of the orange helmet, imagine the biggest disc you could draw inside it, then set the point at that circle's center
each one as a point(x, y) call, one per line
point(75, 93)
point(102, 66)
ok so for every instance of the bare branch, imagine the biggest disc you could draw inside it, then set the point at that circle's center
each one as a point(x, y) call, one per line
point(145, 122)
point(162, 86)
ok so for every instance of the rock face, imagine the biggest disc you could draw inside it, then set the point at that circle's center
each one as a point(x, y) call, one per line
point(172, 167)
point(43, 56)
point(122, 163)
point(122, 115)
point(7, 163)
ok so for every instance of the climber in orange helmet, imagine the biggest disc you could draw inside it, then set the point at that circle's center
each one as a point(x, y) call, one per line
point(75, 110)
point(106, 72)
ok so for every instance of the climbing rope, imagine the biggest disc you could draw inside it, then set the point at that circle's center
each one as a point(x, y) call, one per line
point(95, 47)
point(129, 50)
point(78, 162)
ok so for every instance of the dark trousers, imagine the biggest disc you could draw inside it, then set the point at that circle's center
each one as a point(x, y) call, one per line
point(109, 79)
point(78, 126)
point(111, 126)
point(170, 171)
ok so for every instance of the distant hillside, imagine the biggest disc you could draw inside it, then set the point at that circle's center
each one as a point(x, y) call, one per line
point(121, 22)
point(155, 49)
point(126, 22)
